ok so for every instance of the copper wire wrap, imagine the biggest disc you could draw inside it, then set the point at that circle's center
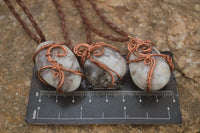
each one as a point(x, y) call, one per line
point(142, 50)
point(86, 51)
point(23, 24)
point(55, 68)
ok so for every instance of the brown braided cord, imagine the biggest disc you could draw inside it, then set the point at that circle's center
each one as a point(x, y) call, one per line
point(33, 22)
point(142, 50)
point(105, 20)
point(23, 24)
point(63, 23)
point(86, 21)
point(88, 34)
point(86, 51)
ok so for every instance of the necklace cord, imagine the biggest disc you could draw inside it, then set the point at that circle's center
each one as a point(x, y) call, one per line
point(23, 24)
point(64, 27)
point(104, 19)
point(63, 23)
point(87, 28)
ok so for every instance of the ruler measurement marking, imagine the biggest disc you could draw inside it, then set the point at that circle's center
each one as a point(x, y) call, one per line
point(107, 118)
point(81, 113)
point(34, 114)
point(147, 114)
point(90, 100)
point(39, 100)
point(106, 98)
point(73, 99)
point(157, 99)
point(174, 99)
point(37, 94)
point(140, 99)
point(108, 93)
point(125, 111)
point(123, 100)
point(168, 110)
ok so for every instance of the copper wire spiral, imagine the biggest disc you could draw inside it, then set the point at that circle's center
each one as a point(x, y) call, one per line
point(86, 51)
point(57, 70)
point(142, 50)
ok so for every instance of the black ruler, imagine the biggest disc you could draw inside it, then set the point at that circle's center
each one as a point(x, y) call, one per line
point(124, 105)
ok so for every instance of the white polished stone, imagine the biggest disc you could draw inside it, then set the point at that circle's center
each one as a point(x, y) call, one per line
point(72, 81)
point(139, 72)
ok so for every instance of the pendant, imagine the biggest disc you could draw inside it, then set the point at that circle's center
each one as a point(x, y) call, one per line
point(149, 69)
point(57, 66)
point(103, 65)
